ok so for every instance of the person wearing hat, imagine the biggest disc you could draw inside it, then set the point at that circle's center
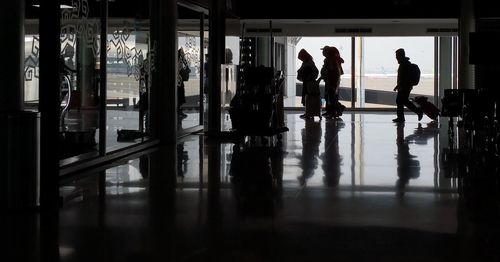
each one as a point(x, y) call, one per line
point(404, 88)
point(330, 73)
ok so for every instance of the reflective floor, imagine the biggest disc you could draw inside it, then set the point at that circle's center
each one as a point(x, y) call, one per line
point(357, 189)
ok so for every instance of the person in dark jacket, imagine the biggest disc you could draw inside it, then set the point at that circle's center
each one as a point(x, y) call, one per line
point(404, 87)
point(307, 73)
point(181, 92)
point(331, 73)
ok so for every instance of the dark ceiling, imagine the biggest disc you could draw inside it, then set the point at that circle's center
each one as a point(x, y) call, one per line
point(310, 9)
point(334, 9)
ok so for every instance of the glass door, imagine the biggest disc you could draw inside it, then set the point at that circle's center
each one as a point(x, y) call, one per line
point(128, 82)
point(80, 78)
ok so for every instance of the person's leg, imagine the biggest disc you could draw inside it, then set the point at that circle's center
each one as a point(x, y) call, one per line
point(337, 111)
point(330, 102)
point(400, 115)
point(303, 100)
point(410, 105)
point(414, 108)
point(327, 103)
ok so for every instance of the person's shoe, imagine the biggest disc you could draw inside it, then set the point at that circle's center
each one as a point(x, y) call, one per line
point(325, 114)
point(420, 115)
point(398, 120)
point(303, 116)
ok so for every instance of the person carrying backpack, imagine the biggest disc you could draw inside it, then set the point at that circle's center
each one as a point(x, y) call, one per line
point(408, 76)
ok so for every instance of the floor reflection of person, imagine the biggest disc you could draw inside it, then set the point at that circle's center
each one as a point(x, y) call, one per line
point(422, 135)
point(331, 159)
point(311, 139)
point(407, 166)
point(182, 158)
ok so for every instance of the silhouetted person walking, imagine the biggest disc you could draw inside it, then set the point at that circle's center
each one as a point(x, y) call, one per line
point(404, 87)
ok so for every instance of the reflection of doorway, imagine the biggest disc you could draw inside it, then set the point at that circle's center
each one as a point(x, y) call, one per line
point(191, 32)
point(189, 115)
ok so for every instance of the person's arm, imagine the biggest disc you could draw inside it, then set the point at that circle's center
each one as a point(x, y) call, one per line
point(322, 74)
point(396, 88)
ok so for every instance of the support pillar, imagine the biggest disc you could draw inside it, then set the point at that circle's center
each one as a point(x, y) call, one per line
point(216, 57)
point(19, 131)
point(50, 86)
point(163, 91)
point(466, 24)
point(12, 66)
point(445, 67)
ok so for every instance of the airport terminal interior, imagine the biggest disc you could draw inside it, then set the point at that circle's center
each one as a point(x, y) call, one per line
point(184, 130)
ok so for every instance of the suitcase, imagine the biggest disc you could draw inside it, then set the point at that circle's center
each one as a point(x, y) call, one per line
point(313, 106)
point(427, 107)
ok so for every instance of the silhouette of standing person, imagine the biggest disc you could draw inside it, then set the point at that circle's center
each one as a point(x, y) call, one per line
point(144, 95)
point(228, 56)
point(404, 87)
point(330, 73)
point(205, 75)
point(181, 92)
point(307, 73)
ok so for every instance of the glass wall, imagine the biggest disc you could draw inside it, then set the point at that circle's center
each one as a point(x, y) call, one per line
point(31, 71)
point(192, 80)
point(128, 82)
point(80, 78)
point(375, 67)
point(229, 76)
point(189, 88)
point(379, 67)
point(313, 46)
point(31, 57)
point(206, 32)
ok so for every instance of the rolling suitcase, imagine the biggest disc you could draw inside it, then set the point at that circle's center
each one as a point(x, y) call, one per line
point(313, 106)
point(427, 107)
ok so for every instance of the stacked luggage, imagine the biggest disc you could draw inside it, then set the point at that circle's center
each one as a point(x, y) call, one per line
point(255, 110)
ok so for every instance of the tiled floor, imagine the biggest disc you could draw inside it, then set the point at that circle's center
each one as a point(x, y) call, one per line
point(357, 189)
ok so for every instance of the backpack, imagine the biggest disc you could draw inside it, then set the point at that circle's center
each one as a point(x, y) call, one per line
point(414, 74)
